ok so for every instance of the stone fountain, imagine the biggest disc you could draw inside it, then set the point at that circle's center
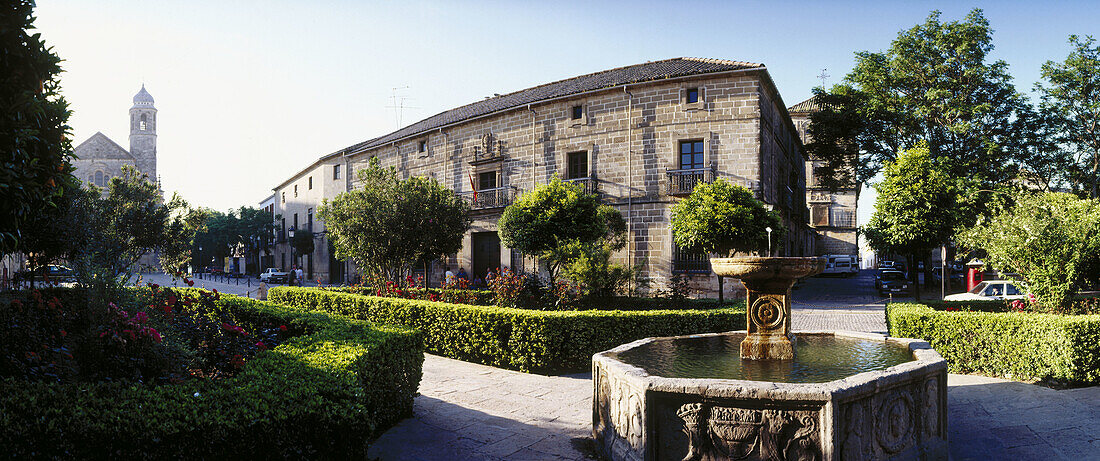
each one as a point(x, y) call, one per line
point(822, 395)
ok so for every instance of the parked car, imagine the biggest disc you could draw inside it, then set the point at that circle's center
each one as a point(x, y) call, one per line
point(990, 290)
point(844, 265)
point(273, 275)
point(891, 281)
point(51, 272)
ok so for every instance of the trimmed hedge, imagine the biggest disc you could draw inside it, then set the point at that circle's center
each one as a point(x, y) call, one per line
point(323, 394)
point(1021, 346)
point(625, 303)
point(481, 297)
point(527, 340)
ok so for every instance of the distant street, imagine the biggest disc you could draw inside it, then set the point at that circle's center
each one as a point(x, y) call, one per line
point(838, 303)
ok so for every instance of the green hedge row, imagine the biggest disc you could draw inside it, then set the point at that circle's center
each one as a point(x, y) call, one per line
point(1013, 345)
point(527, 340)
point(323, 394)
point(481, 297)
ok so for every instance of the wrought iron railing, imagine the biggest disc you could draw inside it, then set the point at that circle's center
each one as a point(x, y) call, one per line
point(690, 261)
point(589, 184)
point(820, 197)
point(682, 182)
point(483, 199)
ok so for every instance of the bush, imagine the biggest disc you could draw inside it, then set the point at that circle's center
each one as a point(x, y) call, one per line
point(527, 340)
point(476, 297)
point(322, 394)
point(1021, 346)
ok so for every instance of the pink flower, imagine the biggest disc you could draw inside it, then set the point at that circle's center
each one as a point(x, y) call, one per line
point(260, 345)
point(154, 333)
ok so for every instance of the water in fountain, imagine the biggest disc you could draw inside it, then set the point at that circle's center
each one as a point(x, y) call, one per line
point(817, 358)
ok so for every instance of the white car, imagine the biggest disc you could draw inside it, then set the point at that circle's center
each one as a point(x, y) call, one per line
point(273, 275)
point(991, 290)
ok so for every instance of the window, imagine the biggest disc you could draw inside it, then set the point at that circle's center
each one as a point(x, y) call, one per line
point(283, 228)
point(99, 178)
point(487, 180)
point(309, 220)
point(576, 165)
point(295, 190)
point(295, 221)
point(578, 112)
point(689, 260)
point(336, 172)
point(692, 95)
point(284, 197)
point(691, 155)
point(422, 147)
point(311, 183)
point(141, 125)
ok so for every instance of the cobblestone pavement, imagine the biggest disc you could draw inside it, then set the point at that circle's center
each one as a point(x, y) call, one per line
point(838, 303)
point(242, 286)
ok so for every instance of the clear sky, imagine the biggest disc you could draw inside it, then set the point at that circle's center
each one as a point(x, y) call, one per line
point(250, 92)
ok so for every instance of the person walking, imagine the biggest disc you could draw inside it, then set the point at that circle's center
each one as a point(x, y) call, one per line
point(291, 276)
point(301, 277)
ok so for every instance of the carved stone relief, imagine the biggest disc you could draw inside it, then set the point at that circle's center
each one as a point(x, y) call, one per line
point(719, 433)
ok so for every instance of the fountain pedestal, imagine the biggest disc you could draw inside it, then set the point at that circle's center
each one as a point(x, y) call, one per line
point(768, 282)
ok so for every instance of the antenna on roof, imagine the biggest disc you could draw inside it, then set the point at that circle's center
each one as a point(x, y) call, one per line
point(824, 75)
point(398, 105)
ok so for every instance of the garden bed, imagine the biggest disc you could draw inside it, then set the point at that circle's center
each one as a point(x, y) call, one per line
point(521, 339)
point(1014, 345)
point(323, 393)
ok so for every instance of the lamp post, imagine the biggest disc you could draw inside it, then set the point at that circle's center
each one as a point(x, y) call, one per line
point(290, 241)
point(769, 229)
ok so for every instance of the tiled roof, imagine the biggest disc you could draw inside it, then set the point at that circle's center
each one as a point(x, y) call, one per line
point(646, 72)
point(809, 105)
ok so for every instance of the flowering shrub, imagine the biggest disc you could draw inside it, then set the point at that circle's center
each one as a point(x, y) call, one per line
point(34, 341)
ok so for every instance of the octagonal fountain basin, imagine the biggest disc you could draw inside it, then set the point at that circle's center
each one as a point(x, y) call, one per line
point(845, 396)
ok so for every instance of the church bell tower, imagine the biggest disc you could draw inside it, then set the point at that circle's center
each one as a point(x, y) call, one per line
point(143, 133)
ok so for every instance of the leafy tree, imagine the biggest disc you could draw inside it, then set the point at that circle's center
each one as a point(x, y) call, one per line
point(130, 221)
point(918, 208)
point(303, 242)
point(723, 218)
point(557, 221)
point(46, 234)
point(34, 144)
point(1050, 239)
point(390, 224)
point(1071, 100)
point(932, 86)
point(245, 229)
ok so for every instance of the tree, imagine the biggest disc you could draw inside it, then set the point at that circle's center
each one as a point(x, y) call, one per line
point(389, 224)
point(934, 87)
point(556, 219)
point(918, 208)
point(113, 232)
point(245, 229)
point(1071, 99)
point(723, 218)
point(34, 144)
point(1049, 238)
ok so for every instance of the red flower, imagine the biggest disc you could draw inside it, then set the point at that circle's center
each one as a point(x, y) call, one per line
point(237, 361)
point(64, 333)
point(282, 327)
point(190, 283)
point(260, 345)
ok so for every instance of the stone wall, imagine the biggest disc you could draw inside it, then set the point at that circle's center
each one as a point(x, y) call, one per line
point(631, 139)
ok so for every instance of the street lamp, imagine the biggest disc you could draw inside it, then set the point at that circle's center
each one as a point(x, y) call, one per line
point(290, 238)
point(769, 229)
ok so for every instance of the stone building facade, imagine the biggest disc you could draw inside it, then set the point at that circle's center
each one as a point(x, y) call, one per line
point(294, 208)
point(832, 213)
point(640, 136)
point(98, 159)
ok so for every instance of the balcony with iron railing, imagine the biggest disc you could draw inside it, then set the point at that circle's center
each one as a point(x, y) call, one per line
point(588, 184)
point(683, 181)
point(488, 199)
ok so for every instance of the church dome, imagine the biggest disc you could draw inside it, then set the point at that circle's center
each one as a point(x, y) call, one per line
point(143, 98)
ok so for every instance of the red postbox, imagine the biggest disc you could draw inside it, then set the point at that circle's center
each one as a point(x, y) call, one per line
point(973, 274)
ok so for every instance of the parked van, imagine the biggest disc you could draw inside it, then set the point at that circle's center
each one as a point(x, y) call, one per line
point(841, 264)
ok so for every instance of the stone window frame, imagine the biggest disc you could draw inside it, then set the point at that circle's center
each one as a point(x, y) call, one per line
point(700, 104)
point(561, 164)
point(673, 139)
point(423, 147)
point(310, 182)
point(585, 119)
point(336, 172)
